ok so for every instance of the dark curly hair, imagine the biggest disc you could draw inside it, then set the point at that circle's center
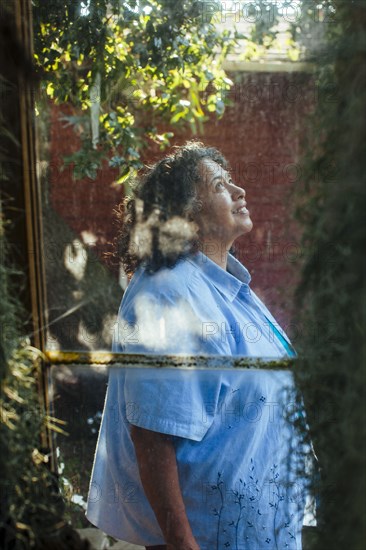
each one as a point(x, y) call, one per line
point(157, 222)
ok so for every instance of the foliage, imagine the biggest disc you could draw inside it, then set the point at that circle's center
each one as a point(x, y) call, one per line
point(9, 320)
point(304, 21)
point(31, 510)
point(332, 294)
point(129, 69)
point(126, 67)
point(31, 506)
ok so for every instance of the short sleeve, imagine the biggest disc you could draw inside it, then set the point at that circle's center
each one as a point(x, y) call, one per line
point(178, 402)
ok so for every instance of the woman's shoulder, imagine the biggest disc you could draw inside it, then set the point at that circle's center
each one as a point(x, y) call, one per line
point(174, 280)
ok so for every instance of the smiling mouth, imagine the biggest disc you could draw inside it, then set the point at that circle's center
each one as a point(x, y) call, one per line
point(242, 210)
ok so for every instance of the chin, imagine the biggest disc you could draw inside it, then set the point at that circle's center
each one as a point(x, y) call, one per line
point(247, 227)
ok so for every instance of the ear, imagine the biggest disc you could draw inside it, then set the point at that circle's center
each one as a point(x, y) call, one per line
point(193, 209)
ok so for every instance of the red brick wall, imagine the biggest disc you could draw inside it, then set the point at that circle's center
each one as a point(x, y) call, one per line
point(85, 205)
point(260, 134)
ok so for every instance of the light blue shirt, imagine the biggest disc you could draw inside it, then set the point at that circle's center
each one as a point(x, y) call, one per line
point(238, 455)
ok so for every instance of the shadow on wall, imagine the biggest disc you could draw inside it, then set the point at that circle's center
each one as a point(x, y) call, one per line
point(82, 295)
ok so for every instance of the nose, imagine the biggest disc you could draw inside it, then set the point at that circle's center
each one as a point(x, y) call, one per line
point(237, 192)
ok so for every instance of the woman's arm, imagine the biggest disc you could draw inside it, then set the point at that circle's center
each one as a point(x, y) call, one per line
point(159, 476)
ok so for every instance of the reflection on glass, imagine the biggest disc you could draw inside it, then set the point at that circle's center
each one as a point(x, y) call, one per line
point(84, 290)
point(239, 459)
point(197, 459)
point(77, 397)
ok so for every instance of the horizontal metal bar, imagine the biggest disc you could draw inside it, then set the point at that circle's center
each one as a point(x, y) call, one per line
point(100, 358)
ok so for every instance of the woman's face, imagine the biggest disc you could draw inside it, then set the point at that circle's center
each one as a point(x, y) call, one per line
point(223, 216)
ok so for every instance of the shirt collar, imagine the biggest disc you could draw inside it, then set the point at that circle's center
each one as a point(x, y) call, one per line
point(227, 282)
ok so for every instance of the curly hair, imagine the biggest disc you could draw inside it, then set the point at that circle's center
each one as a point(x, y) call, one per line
point(157, 225)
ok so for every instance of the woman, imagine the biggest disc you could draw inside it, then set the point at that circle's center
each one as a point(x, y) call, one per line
point(202, 459)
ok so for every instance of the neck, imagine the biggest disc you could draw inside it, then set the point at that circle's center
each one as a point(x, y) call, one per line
point(218, 253)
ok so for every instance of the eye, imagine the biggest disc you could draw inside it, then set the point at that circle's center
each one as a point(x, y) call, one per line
point(219, 185)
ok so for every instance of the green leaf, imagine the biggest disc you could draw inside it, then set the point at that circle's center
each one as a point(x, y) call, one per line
point(150, 62)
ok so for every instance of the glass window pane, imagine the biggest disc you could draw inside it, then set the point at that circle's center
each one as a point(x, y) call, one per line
point(196, 409)
point(259, 134)
point(77, 397)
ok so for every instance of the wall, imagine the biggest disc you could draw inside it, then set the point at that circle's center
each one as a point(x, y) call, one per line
point(260, 134)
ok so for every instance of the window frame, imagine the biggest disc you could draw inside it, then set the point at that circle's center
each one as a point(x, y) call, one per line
point(33, 264)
